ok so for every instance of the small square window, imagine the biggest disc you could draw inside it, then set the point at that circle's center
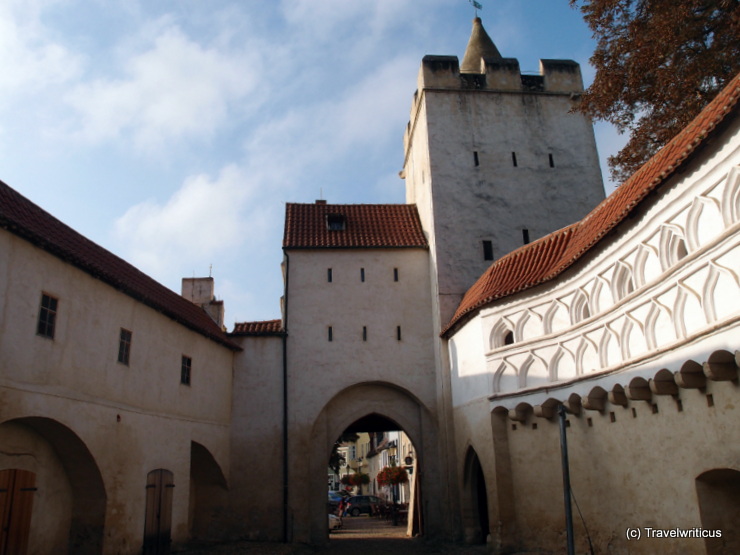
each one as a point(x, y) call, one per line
point(487, 250)
point(124, 346)
point(335, 222)
point(47, 316)
point(187, 364)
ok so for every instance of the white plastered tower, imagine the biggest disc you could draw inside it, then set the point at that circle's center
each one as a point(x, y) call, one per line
point(494, 159)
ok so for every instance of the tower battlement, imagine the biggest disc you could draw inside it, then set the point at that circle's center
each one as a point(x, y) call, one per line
point(497, 74)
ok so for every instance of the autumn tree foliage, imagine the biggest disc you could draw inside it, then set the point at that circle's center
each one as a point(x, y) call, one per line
point(658, 63)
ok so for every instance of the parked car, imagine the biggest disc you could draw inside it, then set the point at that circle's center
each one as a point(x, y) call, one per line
point(334, 522)
point(364, 504)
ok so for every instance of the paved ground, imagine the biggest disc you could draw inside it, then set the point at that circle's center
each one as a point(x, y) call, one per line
point(360, 536)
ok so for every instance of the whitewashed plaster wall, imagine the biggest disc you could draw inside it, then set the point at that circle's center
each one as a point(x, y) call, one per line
point(669, 279)
point(132, 419)
point(332, 383)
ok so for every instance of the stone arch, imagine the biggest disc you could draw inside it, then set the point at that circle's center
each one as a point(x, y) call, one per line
point(600, 300)
point(208, 492)
point(703, 223)
point(60, 458)
point(672, 246)
point(658, 324)
point(622, 283)
point(633, 340)
point(609, 348)
point(579, 309)
point(348, 406)
point(476, 522)
point(688, 313)
point(528, 326)
point(647, 265)
point(534, 370)
point(554, 319)
point(501, 334)
point(718, 493)
point(562, 358)
point(587, 356)
point(731, 197)
point(502, 382)
point(720, 295)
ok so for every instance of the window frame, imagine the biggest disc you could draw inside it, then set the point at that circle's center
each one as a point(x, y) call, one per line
point(186, 370)
point(124, 346)
point(47, 318)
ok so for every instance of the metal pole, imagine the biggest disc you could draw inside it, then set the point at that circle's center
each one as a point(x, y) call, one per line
point(566, 480)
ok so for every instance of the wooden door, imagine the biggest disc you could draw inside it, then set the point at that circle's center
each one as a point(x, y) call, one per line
point(16, 503)
point(158, 519)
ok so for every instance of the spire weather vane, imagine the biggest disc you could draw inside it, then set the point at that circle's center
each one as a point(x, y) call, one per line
point(476, 5)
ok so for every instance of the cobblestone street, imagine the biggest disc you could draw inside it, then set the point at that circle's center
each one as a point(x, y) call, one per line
point(361, 535)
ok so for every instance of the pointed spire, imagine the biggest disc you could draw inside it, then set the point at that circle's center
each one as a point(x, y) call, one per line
point(480, 46)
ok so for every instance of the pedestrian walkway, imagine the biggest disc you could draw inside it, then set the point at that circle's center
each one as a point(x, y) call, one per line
point(362, 535)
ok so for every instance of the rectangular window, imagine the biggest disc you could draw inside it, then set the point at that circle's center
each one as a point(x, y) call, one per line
point(124, 346)
point(398, 333)
point(552, 162)
point(513, 159)
point(329, 275)
point(187, 364)
point(364, 333)
point(330, 334)
point(47, 316)
point(487, 250)
point(525, 235)
point(362, 274)
point(475, 158)
point(395, 274)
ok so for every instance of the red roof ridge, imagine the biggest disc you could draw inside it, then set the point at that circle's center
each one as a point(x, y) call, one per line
point(32, 223)
point(262, 327)
point(581, 236)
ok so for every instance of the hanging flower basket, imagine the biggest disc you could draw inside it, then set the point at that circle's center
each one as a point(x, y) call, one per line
point(392, 475)
point(356, 479)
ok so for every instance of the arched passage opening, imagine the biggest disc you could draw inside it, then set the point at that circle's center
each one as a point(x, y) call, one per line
point(476, 519)
point(718, 492)
point(69, 500)
point(372, 472)
point(208, 494)
point(380, 408)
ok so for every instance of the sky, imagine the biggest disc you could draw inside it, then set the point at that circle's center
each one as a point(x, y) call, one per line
point(173, 132)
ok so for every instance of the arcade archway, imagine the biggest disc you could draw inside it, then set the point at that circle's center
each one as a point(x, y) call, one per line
point(375, 407)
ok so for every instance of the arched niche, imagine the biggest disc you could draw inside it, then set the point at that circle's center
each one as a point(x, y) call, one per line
point(718, 493)
point(476, 523)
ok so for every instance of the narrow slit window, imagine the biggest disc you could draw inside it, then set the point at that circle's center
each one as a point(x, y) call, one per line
point(475, 158)
point(330, 334)
point(525, 235)
point(487, 250)
point(398, 333)
point(552, 162)
point(124, 346)
point(47, 316)
point(513, 159)
point(395, 274)
point(362, 274)
point(329, 275)
point(185, 369)
point(364, 333)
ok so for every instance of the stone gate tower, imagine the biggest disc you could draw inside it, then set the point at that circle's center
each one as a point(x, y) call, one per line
point(494, 159)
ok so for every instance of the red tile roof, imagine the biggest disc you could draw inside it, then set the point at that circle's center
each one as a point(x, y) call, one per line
point(546, 258)
point(23, 218)
point(365, 226)
point(265, 327)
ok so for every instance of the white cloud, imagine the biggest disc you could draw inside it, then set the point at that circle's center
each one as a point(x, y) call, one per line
point(177, 89)
point(202, 218)
point(30, 61)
